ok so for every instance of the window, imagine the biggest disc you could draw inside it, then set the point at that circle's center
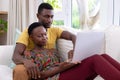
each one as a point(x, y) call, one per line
point(62, 13)
point(75, 15)
point(57, 4)
point(58, 8)
point(67, 12)
point(93, 7)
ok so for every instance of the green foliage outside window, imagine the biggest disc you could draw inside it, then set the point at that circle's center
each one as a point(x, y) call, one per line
point(54, 3)
point(75, 15)
point(58, 22)
point(3, 25)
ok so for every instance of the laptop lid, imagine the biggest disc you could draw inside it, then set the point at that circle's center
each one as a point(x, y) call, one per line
point(87, 44)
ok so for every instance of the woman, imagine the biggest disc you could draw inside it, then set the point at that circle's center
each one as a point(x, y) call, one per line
point(50, 67)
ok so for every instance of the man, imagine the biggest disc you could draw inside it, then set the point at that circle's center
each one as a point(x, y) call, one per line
point(25, 69)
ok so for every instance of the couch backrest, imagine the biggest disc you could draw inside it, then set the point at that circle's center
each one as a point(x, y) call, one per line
point(112, 36)
point(6, 52)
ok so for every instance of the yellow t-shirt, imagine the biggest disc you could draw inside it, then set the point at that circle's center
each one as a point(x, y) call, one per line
point(53, 33)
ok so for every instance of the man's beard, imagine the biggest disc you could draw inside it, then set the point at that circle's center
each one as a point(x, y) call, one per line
point(47, 25)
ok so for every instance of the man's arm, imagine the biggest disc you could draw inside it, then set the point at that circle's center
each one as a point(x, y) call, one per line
point(18, 53)
point(31, 68)
point(68, 36)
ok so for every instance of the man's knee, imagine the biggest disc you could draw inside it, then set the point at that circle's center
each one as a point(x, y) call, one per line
point(20, 68)
point(20, 73)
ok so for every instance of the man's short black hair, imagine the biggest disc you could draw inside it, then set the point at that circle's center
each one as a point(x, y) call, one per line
point(44, 6)
point(33, 26)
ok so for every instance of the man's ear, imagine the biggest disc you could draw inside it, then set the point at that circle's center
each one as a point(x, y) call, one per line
point(37, 15)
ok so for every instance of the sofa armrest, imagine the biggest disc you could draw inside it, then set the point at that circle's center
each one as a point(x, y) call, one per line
point(6, 52)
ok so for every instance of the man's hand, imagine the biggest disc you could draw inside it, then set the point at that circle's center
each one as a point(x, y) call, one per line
point(70, 57)
point(70, 54)
point(32, 69)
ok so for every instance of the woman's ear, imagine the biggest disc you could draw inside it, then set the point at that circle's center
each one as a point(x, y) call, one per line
point(31, 37)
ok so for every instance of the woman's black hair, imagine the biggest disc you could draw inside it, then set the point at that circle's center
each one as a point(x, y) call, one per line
point(44, 6)
point(33, 26)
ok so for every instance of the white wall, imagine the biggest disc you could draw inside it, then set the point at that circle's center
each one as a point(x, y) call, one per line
point(4, 5)
point(110, 12)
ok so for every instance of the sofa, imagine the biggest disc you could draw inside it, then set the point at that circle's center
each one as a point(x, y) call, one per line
point(6, 63)
point(111, 47)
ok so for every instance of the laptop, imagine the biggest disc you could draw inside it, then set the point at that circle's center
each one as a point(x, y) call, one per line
point(88, 43)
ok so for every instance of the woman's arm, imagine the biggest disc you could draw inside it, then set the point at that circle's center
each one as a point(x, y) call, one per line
point(61, 67)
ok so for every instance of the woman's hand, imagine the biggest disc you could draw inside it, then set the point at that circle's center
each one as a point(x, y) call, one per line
point(55, 70)
point(65, 65)
point(32, 69)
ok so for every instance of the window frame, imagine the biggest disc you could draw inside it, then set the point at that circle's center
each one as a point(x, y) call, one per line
point(65, 14)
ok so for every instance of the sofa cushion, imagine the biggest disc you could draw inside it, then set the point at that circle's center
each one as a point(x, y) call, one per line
point(112, 35)
point(64, 46)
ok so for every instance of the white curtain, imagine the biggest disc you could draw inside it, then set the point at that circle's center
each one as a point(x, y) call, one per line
point(21, 14)
point(83, 11)
point(87, 19)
